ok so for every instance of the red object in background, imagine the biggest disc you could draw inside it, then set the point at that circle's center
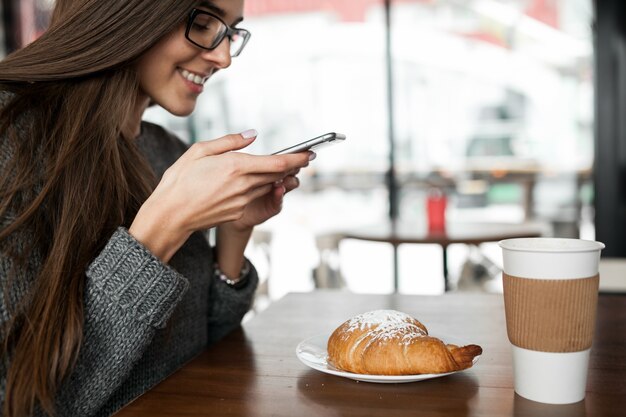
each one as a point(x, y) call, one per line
point(546, 11)
point(436, 204)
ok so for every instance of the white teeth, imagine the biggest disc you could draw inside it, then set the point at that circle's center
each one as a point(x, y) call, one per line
point(196, 79)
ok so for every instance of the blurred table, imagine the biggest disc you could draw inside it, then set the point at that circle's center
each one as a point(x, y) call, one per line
point(469, 233)
point(255, 372)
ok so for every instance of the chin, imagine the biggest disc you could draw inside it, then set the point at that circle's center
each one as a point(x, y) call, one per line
point(180, 111)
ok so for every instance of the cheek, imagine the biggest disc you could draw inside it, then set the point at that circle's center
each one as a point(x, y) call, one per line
point(155, 74)
point(146, 70)
point(159, 63)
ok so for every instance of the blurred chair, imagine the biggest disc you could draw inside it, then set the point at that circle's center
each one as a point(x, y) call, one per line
point(328, 273)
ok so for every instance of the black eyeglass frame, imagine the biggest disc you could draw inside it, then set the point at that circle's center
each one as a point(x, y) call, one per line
point(229, 32)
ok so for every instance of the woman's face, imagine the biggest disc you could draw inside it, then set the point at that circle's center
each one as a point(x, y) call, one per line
point(164, 70)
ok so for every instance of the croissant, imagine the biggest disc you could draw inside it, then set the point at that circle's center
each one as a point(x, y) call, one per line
point(388, 342)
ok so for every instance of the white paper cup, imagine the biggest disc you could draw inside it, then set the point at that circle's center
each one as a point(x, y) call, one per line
point(550, 291)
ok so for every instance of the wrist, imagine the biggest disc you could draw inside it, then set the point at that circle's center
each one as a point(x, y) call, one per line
point(236, 229)
point(158, 231)
point(230, 245)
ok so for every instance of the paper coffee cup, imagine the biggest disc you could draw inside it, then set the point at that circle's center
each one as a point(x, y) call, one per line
point(550, 298)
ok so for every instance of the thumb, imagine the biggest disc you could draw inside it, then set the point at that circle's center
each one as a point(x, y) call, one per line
point(225, 143)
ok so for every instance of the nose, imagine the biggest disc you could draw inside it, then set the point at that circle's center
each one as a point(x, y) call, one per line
point(220, 55)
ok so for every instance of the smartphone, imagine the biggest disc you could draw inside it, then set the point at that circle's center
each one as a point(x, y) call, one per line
point(313, 144)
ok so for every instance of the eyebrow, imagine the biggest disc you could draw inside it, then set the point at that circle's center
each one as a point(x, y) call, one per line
point(218, 11)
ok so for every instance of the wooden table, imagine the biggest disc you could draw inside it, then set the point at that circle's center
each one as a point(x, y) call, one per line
point(469, 233)
point(255, 372)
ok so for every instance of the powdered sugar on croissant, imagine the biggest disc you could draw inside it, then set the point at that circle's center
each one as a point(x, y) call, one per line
point(389, 342)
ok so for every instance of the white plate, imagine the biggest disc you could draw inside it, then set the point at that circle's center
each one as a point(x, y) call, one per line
point(312, 352)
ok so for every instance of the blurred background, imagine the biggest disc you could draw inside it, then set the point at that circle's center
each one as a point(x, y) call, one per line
point(487, 108)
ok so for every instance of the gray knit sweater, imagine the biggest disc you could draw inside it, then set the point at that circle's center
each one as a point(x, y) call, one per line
point(130, 296)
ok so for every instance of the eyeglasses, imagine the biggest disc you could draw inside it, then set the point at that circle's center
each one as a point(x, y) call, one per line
point(207, 31)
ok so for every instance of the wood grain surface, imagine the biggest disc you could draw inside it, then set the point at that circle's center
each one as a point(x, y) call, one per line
point(254, 371)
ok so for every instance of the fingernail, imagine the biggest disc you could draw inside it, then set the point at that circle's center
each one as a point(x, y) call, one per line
point(249, 134)
point(312, 156)
point(278, 183)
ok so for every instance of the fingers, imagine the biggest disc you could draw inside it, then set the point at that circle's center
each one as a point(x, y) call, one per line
point(277, 163)
point(260, 191)
point(291, 183)
point(279, 193)
point(257, 180)
point(222, 145)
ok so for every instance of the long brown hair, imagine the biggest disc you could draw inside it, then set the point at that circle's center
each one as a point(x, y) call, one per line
point(74, 175)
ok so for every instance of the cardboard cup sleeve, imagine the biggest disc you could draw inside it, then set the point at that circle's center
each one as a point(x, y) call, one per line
point(551, 315)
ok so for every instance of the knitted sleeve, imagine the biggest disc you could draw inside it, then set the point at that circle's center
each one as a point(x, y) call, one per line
point(129, 295)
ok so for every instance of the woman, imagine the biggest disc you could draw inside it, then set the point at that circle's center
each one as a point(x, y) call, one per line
point(108, 283)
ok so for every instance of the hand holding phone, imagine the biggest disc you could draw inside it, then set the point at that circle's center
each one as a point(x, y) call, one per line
point(313, 144)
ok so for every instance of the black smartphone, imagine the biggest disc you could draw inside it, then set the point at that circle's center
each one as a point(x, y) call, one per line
point(313, 144)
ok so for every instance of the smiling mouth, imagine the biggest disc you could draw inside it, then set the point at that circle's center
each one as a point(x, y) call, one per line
point(194, 78)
